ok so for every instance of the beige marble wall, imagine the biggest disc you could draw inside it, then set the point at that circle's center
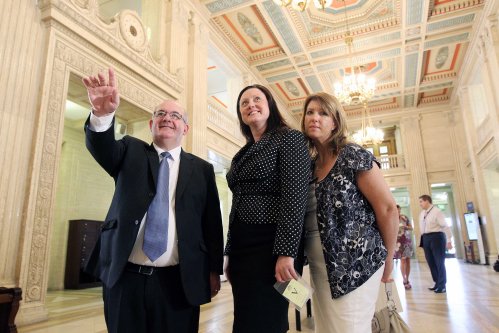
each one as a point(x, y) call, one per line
point(84, 191)
point(22, 56)
point(477, 99)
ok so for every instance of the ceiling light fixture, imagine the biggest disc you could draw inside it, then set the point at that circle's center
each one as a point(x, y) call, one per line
point(301, 5)
point(355, 89)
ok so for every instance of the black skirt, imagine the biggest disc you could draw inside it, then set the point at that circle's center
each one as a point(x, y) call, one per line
point(258, 307)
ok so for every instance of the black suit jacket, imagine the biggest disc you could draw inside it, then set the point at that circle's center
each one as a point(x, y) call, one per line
point(269, 181)
point(134, 165)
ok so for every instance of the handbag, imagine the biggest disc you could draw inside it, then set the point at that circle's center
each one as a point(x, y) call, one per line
point(387, 319)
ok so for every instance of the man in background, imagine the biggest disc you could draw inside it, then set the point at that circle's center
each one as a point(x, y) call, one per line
point(436, 238)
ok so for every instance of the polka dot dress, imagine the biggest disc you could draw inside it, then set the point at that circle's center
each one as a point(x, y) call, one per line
point(269, 181)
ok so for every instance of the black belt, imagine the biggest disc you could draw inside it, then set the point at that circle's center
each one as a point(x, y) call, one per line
point(433, 233)
point(146, 270)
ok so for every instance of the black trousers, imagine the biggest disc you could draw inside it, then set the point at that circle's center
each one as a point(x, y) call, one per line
point(434, 251)
point(155, 303)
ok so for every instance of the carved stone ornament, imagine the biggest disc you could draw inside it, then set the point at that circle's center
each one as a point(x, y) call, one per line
point(132, 30)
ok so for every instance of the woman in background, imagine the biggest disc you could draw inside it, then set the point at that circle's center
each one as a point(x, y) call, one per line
point(350, 242)
point(268, 178)
point(404, 250)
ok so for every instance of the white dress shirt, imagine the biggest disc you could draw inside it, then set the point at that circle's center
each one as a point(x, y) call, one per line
point(433, 220)
point(137, 256)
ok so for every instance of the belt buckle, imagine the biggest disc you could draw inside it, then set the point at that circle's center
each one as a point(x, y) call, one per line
point(148, 271)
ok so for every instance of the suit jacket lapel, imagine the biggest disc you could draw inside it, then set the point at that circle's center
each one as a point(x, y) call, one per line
point(152, 156)
point(184, 173)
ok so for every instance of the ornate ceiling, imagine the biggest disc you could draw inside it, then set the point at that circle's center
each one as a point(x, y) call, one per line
point(414, 48)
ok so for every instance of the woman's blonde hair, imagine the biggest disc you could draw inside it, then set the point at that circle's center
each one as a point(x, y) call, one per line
point(339, 136)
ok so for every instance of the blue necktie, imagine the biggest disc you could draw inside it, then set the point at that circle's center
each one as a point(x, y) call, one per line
point(156, 229)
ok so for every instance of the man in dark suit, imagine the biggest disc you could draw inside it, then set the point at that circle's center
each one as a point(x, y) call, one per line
point(160, 251)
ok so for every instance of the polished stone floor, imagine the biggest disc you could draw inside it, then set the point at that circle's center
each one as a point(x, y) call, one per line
point(471, 304)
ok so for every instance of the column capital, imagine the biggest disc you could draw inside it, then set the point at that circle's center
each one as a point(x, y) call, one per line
point(411, 121)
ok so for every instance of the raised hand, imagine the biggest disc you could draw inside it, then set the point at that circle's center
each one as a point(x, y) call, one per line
point(102, 94)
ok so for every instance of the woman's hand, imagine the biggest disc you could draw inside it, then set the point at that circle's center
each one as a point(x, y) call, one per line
point(284, 269)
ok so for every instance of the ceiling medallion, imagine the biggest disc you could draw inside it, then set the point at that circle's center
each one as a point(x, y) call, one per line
point(301, 5)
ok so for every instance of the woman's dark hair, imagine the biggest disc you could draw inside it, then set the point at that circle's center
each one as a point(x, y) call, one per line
point(275, 121)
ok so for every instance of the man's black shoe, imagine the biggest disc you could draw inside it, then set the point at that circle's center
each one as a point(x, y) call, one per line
point(440, 291)
point(432, 288)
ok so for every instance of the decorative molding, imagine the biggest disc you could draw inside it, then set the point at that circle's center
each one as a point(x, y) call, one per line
point(434, 99)
point(273, 65)
point(411, 68)
point(439, 76)
point(451, 6)
point(282, 25)
point(282, 77)
point(437, 176)
point(435, 86)
point(182, 12)
point(484, 132)
point(222, 5)
point(412, 48)
point(414, 11)
point(408, 101)
point(222, 121)
point(132, 30)
point(357, 44)
point(447, 40)
point(266, 55)
point(486, 152)
point(223, 147)
point(361, 59)
point(314, 83)
point(451, 23)
point(88, 19)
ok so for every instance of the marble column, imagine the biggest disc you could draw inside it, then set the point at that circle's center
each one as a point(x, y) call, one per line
point(460, 194)
point(22, 59)
point(482, 204)
point(415, 160)
point(175, 35)
point(154, 15)
point(196, 87)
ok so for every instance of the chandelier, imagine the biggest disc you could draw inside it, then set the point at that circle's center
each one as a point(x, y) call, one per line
point(368, 134)
point(355, 89)
point(301, 5)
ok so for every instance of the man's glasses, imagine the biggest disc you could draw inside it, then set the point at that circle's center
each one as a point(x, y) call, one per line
point(174, 115)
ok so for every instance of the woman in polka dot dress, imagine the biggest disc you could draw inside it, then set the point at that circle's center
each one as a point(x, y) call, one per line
point(268, 178)
point(351, 223)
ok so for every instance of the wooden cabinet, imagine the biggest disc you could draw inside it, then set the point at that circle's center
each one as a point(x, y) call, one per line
point(82, 236)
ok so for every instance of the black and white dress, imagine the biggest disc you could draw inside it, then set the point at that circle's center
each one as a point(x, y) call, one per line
point(268, 180)
point(343, 244)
